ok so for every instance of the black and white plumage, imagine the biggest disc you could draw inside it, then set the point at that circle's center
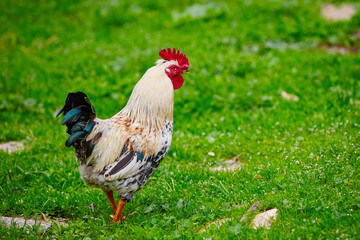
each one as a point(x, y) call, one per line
point(116, 177)
point(120, 154)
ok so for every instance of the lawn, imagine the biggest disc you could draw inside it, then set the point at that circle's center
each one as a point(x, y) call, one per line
point(299, 154)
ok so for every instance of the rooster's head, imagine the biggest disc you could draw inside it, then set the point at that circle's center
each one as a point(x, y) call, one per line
point(179, 67)
point(152, 100)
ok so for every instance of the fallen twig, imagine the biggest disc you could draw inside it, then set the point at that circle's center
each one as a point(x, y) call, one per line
point(251, 210)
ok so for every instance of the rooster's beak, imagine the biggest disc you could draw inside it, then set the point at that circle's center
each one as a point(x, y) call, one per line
point(185, 71)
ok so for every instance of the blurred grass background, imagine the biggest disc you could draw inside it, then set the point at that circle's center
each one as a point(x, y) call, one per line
point(243, 55)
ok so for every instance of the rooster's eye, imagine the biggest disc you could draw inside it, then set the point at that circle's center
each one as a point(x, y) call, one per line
point(174, 68)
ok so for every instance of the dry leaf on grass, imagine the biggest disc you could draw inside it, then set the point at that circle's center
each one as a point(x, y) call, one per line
point(257, 176)
point(343, 12)
point(44, 217)
point(230, 165)
point(340, 49)
point(220, 222)
point(336, 49)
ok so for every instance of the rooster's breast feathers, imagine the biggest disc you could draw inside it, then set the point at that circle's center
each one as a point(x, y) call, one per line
point(114, 138)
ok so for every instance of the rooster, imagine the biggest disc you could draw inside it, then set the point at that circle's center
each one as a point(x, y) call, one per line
point(119, 154)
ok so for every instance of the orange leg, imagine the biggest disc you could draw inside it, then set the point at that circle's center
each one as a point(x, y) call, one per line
point(118, 211)
point(110, 196)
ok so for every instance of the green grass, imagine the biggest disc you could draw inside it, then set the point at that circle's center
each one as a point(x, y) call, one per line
point(242, 55)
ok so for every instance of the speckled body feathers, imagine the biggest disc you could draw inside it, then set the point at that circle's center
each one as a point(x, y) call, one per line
point(132, 177)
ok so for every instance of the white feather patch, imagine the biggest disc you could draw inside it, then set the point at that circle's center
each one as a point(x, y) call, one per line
point(109, 146)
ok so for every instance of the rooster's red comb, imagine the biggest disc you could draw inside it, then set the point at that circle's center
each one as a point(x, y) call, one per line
point(177, 56)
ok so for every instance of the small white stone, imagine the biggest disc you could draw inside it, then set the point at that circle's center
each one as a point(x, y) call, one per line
point(289, 97)
point(265, 219)
point(21, 222)
point(343, 12)
point(212, 154)
point(11, 146)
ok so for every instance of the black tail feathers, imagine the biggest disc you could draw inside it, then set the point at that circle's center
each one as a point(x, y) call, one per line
point(79, 117)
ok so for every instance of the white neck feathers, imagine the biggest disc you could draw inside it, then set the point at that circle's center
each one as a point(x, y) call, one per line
point(152, 99)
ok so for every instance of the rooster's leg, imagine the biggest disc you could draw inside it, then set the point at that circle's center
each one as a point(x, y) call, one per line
point(118, 212)
point(110, 196)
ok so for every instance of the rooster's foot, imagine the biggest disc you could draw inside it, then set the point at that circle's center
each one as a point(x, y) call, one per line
point(115, 218)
